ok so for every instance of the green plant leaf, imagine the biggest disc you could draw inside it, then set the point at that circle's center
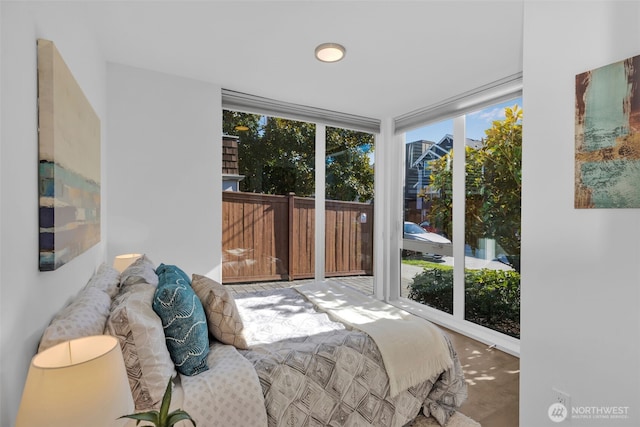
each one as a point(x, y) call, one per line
point(179, 415)
point(151, 416)
point(164, 407)
point(162, 418)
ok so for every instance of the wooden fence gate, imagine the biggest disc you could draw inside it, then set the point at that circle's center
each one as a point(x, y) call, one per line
point(267, 237)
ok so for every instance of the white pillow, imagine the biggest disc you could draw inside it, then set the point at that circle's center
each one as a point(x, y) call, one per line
point(107, 279)
point(141, 271)
point(139, 331)
point(86, 315)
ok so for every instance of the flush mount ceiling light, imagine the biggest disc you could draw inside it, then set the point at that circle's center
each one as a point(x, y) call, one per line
point(330, 52)
point(242, 128)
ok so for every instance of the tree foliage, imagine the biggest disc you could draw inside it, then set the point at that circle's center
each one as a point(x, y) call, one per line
point(349, 174)
point(277, 156)
point(493, 186)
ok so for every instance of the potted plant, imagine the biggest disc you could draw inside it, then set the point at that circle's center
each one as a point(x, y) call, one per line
point(162, 418)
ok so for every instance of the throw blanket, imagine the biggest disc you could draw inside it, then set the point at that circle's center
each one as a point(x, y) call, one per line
point(413, 349)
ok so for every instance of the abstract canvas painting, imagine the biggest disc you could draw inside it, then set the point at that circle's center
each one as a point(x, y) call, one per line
point(607, 136)
point(69, 163)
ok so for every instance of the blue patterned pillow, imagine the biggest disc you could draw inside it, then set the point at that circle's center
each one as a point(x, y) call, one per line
point(183, 319)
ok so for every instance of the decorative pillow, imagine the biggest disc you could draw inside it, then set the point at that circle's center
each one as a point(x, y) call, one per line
point(107, 279)
point(223, 317)
point(183, 319)
point(139, 331)
point(86, 315)
point(141, 271)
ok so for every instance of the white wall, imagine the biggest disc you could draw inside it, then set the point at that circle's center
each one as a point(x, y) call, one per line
point(29, 298)
point(580, 268)
point(164, 165)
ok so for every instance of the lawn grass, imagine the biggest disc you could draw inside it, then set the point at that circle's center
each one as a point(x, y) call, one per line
point(426, 264)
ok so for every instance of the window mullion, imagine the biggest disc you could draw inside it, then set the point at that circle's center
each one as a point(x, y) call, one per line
point(389, 176)
point(320, 175)
point(395, 157)
point(459, 138)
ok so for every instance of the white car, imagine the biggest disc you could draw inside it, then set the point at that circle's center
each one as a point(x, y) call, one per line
point(413, 231)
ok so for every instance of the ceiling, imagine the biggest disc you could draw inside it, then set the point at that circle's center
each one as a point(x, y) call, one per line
point(401, 55)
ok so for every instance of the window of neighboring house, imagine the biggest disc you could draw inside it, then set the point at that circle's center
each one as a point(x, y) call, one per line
point(271, 168)
point(474, 214)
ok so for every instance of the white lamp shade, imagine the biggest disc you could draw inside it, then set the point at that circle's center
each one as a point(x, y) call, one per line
point(82, 382)
point(121, 262)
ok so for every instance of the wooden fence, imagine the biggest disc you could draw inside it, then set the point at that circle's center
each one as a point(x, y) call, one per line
point(267, 237)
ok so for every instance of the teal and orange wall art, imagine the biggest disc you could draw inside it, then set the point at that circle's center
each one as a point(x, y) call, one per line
point(607, 136)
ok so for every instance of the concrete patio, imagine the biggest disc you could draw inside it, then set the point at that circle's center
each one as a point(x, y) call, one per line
point(361, 283)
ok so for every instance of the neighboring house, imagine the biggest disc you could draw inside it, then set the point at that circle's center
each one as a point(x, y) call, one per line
point(418, 171)
point(230, 166)
point(413, 151)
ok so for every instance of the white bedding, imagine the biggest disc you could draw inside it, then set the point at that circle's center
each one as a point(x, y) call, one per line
point(232, 391)
point(315, 371)
point(413, 349)
point(228, 394)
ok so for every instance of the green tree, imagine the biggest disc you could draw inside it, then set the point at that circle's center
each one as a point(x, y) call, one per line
point(441, 182)
point(287, 151)
point(349, 175)
point(502, 152)
point(493, 186)
point(277, 156)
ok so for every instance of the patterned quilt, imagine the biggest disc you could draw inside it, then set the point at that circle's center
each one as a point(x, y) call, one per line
point(316, 372)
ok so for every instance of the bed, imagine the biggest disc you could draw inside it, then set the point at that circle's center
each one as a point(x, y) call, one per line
point(272, 358)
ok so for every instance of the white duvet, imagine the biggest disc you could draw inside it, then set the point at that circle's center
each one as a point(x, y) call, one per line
point(413, 349)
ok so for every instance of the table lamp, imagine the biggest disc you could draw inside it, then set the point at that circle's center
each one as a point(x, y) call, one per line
point(82, 382)
point(121, 262)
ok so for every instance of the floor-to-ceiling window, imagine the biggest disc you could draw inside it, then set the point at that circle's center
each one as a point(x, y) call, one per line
point(427, 258)
point(268, 208)
point(297, 194)
point(493, 165)
point(349, 194)
point(462, 178)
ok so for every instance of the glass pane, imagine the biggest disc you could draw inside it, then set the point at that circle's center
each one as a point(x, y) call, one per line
point(427, 261)
point(349, 205)
point(492, 218)
point(268, 207)
point(427, 279)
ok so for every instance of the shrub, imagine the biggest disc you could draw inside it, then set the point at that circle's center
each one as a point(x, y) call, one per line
point(492, 296)
point(434, 287)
